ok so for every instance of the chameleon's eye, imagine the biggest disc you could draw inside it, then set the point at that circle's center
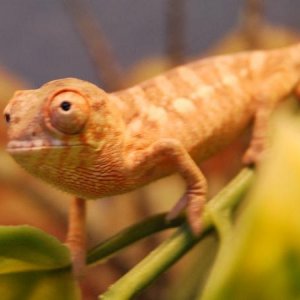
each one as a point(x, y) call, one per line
point(68, 112)
point(66, 105)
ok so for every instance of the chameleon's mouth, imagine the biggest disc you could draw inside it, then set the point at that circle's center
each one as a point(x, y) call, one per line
point(16, 146)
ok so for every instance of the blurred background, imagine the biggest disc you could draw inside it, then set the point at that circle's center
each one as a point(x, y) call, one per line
point(116, 44)
point(39, 42)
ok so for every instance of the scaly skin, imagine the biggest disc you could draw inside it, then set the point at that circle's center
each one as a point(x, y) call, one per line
point(92, 144)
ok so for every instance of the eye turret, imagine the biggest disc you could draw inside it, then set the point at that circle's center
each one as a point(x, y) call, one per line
point(68, 112)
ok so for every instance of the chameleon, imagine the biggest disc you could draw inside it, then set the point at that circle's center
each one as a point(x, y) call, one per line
point(94, 144)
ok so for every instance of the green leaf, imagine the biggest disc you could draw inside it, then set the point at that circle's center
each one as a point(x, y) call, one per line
point(261, 260)
point(34, 266)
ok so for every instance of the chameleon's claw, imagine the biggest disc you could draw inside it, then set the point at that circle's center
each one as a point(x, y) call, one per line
point(194, 207)
point(253, 155)
point(180, 205)
point(194, 213)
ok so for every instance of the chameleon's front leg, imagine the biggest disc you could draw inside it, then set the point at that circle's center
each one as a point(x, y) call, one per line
point(76, 237)
point(195, 197)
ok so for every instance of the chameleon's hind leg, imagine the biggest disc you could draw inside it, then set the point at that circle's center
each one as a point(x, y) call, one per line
point(267, 98)
point(76, 237)
point(257, 146)
point(171, 150)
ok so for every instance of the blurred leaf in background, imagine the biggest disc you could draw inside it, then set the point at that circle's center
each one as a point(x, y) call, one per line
point(262, 258)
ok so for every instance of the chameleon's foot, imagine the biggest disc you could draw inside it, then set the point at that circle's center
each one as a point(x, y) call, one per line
point(193, 201)
point(177, 208)
point(253, 154)
point(194, 213)
point(76, 238)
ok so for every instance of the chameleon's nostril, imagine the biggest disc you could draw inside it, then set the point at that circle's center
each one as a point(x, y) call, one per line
point(7, 117)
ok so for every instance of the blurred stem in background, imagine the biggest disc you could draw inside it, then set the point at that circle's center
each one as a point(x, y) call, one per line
point(101, 54)
point(252, 21)
point(175, 27)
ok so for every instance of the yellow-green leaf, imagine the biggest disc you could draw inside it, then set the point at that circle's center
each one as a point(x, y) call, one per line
point(34, 266)
point(261, 260)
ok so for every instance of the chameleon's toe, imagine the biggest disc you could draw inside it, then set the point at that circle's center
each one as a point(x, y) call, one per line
point(194, 208)
point(253, 155)
point(195, 213)
point(178, 208)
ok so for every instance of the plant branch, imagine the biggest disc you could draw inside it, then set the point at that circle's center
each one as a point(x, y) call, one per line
point(178, 244)
point(130, 235)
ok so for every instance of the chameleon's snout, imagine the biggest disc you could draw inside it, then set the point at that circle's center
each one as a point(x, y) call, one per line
point(20, 115)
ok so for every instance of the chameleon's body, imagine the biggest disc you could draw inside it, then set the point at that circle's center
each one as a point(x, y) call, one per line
point(106, 144)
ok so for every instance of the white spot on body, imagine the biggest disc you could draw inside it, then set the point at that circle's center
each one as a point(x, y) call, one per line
point(138, 94)
point(204, 92)
point(135, 126)
point(184, 106)
point(165, 85)
point(188, 75)
point(156, 114)
point(118, 102)
point(244, 72)
point(230, 80)
point(257, 60)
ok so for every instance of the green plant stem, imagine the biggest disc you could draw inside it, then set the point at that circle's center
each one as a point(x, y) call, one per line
point(178, 244)
point(130, 235)
point(153, 265)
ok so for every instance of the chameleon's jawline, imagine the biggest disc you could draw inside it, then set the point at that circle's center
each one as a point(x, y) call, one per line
point(24, 150)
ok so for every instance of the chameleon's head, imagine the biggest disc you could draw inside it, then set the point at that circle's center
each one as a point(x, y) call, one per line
point(52, 130)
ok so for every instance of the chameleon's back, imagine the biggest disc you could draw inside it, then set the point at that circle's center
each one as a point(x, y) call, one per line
point(203, 104)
